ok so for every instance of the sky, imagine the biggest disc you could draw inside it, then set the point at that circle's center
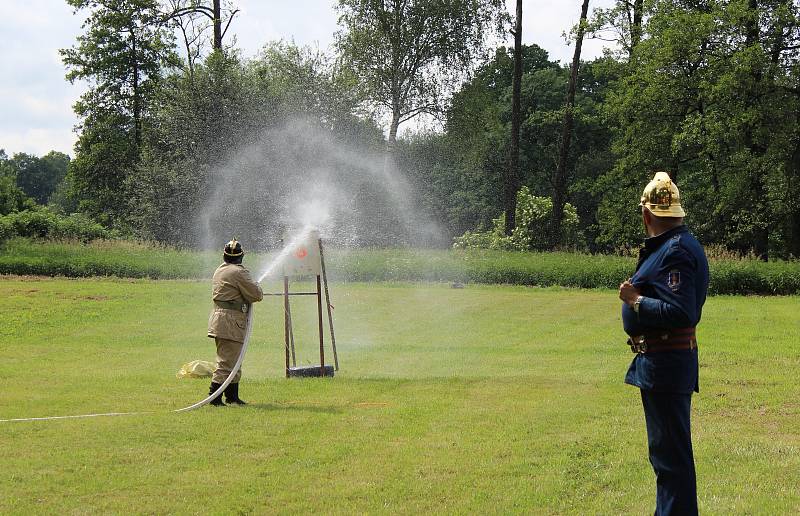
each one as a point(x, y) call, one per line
point(36, 100)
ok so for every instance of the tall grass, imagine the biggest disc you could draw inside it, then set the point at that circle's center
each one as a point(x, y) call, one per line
point(127, 259)
point(144, 260)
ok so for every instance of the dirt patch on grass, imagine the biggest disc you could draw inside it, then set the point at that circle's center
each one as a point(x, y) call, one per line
point(73, 297)
point(374, 404)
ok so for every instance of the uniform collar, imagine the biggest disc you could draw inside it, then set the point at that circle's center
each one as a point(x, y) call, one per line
point(655, 242)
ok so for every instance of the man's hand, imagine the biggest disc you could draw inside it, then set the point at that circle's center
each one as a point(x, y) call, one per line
point(628, 293)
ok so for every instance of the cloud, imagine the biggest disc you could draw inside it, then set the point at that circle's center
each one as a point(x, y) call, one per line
point(37, 141)
point(36, 109)
point(310, 22)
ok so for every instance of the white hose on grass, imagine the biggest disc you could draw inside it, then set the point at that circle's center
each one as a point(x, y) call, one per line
point(199, 404)
point(235, 369)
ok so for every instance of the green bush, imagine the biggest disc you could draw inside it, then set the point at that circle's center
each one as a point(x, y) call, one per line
point(43, 223)
point(6, 229)
point(533, 216)
point(12, 198)
point(754, 277)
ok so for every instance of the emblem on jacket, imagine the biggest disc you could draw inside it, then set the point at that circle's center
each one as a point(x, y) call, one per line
point(674, 279)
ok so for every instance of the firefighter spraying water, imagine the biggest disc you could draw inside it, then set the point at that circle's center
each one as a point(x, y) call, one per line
point(233, 293)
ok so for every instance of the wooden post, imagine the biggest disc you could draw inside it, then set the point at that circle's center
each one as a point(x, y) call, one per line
point(286, 321)
point(319, 318)
point(328, 304)
point(291, 336)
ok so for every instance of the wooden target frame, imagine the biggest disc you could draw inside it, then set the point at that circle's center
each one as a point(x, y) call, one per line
point(322, 370)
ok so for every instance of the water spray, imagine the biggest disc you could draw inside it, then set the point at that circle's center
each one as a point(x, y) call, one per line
point(287, 250)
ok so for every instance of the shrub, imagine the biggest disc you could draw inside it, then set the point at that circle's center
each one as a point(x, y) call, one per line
point(78, 226)
point(12, 199)
point(6, 229)
point(754, 277)
point(533, 216)
point(43, 223)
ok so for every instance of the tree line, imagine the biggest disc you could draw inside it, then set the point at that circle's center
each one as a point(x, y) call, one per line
point(707, 90)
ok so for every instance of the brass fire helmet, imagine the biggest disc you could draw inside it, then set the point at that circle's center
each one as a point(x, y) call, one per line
point(662, 198)
point(233, 249)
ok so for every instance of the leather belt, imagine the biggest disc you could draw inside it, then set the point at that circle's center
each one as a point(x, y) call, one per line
point(672, 340)
point(232, 305)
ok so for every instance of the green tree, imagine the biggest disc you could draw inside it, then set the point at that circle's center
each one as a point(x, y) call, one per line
point(121, 54)
point(531, 232)
point(409, 53)
point(39, 177)
point(466, 167)
point(712, 97)
point(198, 120)
point(6, 168)
point(478, 128)
point(12, 198)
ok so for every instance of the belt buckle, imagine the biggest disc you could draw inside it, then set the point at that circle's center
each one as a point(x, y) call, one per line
point(638, 344)
point(244, 308)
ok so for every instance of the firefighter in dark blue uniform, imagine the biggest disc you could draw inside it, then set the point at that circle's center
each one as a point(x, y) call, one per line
point(662, 304)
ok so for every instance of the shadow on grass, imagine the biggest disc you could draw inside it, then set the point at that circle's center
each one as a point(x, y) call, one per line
point(274, 407)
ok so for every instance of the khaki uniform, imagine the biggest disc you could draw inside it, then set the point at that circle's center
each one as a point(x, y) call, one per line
point(231, 285)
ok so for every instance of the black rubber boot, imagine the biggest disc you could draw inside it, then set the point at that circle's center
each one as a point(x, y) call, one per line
point(217, 402)
point(232, 395)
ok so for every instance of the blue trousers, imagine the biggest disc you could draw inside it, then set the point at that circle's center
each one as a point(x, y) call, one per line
point(669, 440)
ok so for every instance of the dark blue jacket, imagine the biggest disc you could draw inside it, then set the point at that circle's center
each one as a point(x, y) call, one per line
point(672, 275)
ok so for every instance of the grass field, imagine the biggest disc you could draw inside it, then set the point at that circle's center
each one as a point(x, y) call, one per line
point(479, 400)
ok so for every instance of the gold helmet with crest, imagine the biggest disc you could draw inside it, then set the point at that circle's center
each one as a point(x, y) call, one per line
point(233, 249)
point(662, 198)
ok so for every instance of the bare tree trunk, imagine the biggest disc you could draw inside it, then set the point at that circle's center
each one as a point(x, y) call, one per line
point(391, 141)
point(513, 175)
point(395, 122)
point(761, 236)
point(137, 105)
point(217, 25)
point(213, 13)
point(792, 192)
point(393, 127)
point(560, 178)
point(636, 27)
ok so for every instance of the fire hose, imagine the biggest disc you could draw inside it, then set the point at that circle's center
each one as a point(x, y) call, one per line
point(235, 369)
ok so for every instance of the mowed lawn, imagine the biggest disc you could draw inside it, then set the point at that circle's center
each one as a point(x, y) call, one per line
point(487, 399)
